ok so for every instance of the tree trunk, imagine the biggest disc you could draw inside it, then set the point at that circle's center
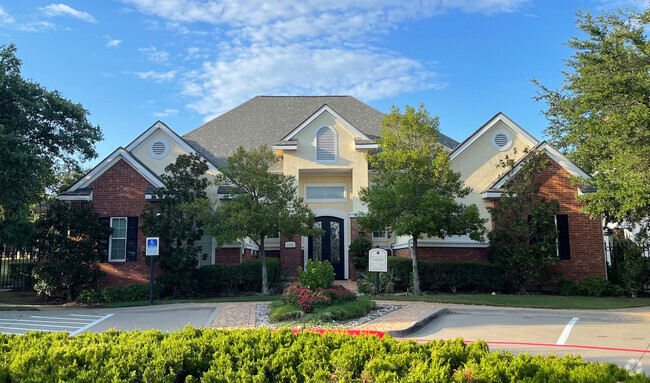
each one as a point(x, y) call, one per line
point(265, 286)
point(414, 259)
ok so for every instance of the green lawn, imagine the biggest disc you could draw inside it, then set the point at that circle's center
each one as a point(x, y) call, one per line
point(534, 301)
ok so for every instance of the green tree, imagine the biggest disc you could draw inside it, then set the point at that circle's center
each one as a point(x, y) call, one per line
point(40, 131)
point(176, 220)
point(600, 116)
point(524, 238)
point(415, 192)
point(67, 239)
point(263, 203)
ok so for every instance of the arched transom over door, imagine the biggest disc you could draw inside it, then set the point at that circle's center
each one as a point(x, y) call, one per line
point(329, 246)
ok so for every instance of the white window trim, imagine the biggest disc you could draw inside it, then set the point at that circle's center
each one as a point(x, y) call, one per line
point(384, 238)
point(316, 200)
point(273, 239)
point(336, 145)
point(126, 237)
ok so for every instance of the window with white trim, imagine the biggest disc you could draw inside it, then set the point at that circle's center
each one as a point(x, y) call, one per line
point(325, 193)
point(326, 145)
point(117, 241)
point(380, 235)
point(272, 237)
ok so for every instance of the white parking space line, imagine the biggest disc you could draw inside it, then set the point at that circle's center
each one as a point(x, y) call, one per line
point(73, 324)
point(567, 331)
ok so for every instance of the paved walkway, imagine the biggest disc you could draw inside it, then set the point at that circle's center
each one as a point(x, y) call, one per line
point(242, 315)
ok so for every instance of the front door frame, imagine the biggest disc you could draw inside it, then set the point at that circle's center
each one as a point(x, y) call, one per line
point(346, 237)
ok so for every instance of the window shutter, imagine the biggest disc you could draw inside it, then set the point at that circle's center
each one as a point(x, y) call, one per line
point(563, 236)
point(102, 244)
point(325, 145)
point(132, 239)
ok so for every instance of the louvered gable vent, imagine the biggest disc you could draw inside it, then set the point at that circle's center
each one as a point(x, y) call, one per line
point(326, 145)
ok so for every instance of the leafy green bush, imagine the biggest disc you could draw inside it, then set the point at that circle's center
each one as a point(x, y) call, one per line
point(568, 287)
point(316, 274)
point(20, 275)
point(636, 270)
point(443, 276)
point(242, 277)
point(131, 293)
point(358, 251)
point(387, 283)
point(210, 355)
point(594, 286)
point(346, 310)
point(89, 296)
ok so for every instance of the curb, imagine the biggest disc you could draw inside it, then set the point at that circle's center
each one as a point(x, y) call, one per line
point(213, 316)
point(423, 321)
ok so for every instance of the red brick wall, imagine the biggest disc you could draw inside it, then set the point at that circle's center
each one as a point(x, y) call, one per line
point(119, 192)
point(227, 256)
point(291, 258)
point(438, 254)
point(585, 234)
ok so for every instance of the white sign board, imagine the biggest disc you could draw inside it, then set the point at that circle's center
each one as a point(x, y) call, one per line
point(378, 261)
point(290, 245)
point(152, 246)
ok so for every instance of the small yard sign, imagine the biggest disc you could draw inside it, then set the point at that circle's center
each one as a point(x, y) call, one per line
point(152, 246)
point(290, 245)
point(378, 261)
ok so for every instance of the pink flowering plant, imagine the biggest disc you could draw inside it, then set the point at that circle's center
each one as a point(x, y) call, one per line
point(307, 299)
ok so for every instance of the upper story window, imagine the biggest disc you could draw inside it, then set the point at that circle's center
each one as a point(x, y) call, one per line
point(380, 235)
point(326, 145)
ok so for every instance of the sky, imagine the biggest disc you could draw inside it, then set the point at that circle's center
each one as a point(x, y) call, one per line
point(133, 62)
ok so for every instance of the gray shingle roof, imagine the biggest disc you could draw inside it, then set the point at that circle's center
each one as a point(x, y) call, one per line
point(79, 192)
point(267, 119)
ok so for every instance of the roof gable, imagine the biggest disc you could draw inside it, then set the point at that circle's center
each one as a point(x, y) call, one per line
point(499, 117)
point(112, 159)
point(325, 109)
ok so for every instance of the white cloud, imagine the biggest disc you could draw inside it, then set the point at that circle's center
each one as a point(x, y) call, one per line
point(302, 47)
point(37, 26)
point(66, 10)
point(113, 43)
point(166, 113)
point(5, 18)
point(157, 77)
point(153, 54)
point(299, 69)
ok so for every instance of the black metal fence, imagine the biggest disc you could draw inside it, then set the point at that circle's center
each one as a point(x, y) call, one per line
point(12, 274)
point(615, 257)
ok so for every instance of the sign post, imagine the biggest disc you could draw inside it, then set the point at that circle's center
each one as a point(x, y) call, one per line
point(152, 251)
point(378, 263)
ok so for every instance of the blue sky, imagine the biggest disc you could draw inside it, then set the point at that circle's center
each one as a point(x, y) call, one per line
point(132, 62)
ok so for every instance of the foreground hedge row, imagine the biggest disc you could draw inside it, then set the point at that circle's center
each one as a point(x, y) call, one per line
point(201, 355)
point(449, 276)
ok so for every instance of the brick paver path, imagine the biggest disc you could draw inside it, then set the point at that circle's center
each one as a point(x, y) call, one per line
point(399, 319)
point(242, 315)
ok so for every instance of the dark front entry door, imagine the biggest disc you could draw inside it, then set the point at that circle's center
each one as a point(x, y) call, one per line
point(329, 247)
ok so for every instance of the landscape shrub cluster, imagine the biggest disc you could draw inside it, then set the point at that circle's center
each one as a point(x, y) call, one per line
point(209, 355)
point(452, 277)
point(112, 294)
point(592, 286)
point(307, 299)
point(316, 274)
point(243, 277)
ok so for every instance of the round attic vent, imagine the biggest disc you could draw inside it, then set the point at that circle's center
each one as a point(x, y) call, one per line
point(158, 148)
point(501, 140)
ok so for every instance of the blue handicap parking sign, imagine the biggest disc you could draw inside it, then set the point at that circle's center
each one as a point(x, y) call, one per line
point(152, 246)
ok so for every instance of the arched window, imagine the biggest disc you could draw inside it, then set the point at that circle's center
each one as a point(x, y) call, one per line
point(326, 145)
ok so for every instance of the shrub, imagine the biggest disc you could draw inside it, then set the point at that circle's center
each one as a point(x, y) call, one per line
point(636, 270)
point(89, 296)
point(594, 286)
point(440, 276)
point(358, 251)
point(346, 310)
point(307, 299)
point(210, 355)
point(281, 311)
point(242, 277)
point(387, 283)
point(568, 287)
point(131, 293)
point(316, 274)
point(20, 275)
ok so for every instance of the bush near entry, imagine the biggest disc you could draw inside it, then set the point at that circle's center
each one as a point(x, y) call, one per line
point(447, 276)
point(210, 355)
point(243, 277)
point(592, 286)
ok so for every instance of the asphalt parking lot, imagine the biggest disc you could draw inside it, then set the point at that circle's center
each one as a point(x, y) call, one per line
point(603, 336)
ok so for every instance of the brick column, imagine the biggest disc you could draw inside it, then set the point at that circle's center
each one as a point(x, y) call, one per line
point(291, 258)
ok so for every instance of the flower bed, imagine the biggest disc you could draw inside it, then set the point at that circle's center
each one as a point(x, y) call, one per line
point(307, 299)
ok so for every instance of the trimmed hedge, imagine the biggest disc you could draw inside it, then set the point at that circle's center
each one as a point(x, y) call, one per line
point(449, 276)
point(20, 275)
point(209, 355)
point(242, 277)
